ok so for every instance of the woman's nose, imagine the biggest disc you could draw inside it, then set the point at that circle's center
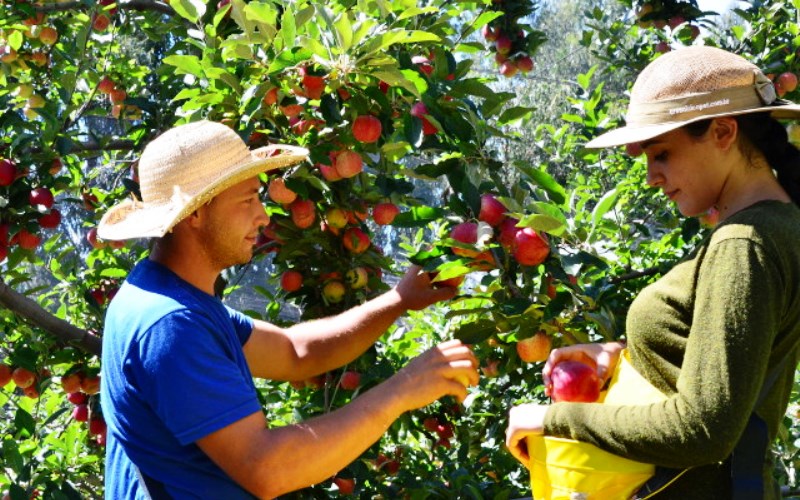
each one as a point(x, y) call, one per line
point(654, 176)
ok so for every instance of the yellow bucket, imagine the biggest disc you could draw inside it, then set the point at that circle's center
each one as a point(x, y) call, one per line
point(566, 469)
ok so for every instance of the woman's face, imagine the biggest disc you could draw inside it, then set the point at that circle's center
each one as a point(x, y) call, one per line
point(687, 169)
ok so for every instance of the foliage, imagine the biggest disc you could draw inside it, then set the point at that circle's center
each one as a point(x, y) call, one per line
point(449, 133)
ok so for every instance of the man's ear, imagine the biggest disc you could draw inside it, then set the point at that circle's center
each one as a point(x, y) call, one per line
point(195, 219)
point(725, 131)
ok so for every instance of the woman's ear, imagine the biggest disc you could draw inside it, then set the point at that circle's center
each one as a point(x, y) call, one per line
point(724, 132)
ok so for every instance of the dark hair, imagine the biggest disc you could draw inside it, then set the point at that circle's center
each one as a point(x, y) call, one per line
point(762, 134)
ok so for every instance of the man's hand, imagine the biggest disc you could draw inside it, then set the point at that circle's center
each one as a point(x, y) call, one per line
point(523, 421)
point(439, 371)
point(417, 292)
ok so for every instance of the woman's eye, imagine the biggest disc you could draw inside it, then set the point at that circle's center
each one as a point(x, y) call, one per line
point(661, 156)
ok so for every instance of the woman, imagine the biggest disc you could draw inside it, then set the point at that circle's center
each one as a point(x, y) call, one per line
point(710, 331)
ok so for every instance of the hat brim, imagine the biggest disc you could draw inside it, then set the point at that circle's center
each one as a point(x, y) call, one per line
point(134, 219)
point(630, 134)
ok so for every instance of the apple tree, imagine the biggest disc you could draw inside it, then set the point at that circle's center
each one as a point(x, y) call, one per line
point(421, 152)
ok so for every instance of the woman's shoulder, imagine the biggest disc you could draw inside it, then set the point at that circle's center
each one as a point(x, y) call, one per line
point(772, 225)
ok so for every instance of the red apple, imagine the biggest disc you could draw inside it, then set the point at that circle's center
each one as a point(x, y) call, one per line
point(28, 240)
point(23, 377)
point(97, 426)
point(356, 278)
point(508, 69)
point(419, 110)
point(366, 128)
point(466, 232)
point(333, 291)
point(384, 213)
point(271, 97)
point(90, 385)
point(100, 22)
point(355, 240)
point(71, 383)
point(492, 211)
point(503, 44)
point(346, 485)
point(291, 281)
point(77, 398)
point(8, 172)
point(303, 213)
point(41, 196)
point(313, 86)
point(574, 381)
point(117, 96)
point(525, 64)
point(279, 193)
point(291, 110)
point(5, 374)
point(530, 248)
point(50, 220)
point(106, 85)
point(329, 173)
point(48, 35)
point(80, 413)
point(348, 164)
point(423, 64)
point(534, 349)
point(788, 81)
point(350, 380)
point(488, 33)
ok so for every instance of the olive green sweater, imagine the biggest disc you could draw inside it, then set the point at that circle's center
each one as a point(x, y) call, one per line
point(706, 334)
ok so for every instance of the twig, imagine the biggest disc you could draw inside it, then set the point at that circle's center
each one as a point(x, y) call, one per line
point(57, 327)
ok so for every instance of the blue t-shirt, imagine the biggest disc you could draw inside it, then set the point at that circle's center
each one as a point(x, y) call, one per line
point(173, 372)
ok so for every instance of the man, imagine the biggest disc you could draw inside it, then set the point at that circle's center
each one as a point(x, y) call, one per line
point(177, 393)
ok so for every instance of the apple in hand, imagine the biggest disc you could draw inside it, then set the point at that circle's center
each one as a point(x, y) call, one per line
point(575, 382)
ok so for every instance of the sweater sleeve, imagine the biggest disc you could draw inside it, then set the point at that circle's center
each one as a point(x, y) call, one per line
point(734, 320)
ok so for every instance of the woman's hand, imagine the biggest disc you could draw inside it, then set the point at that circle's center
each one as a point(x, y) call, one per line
point(603, 356)
point(523, 421)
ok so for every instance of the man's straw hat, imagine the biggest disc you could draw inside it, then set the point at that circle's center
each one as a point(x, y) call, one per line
point(692, 84)
point(184, 168)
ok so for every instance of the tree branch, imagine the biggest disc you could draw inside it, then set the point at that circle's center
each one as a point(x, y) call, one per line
point(139, 5)
point(635, 274)
point(93, 145)
point(57, 327)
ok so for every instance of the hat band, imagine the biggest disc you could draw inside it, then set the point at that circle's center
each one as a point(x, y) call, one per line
point(718, 102)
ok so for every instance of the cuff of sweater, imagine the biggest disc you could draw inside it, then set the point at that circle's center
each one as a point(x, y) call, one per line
point(560, 418)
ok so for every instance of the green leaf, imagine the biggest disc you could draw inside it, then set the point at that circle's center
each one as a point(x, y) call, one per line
point(11, 455)
point(544, 223)
point(114, 272)
point(605, 204)
point(418, 217)
point(192, 10)
point(516, 113)
point(344, 31)
point(288, 28)
point(543, 179)
point(186, 65)
point(289, 58)
point(408, 80)
point(24, 422)
point(476, 331)
point(416, 11)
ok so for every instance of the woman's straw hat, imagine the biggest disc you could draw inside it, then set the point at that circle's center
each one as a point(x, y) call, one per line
point(184, 168)
point(692, 84)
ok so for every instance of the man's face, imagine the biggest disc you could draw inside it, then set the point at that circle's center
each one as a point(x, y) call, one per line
point(233, 221)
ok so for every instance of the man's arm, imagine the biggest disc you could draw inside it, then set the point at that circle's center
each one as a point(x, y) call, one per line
point(317, 346)
point(271, 462)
